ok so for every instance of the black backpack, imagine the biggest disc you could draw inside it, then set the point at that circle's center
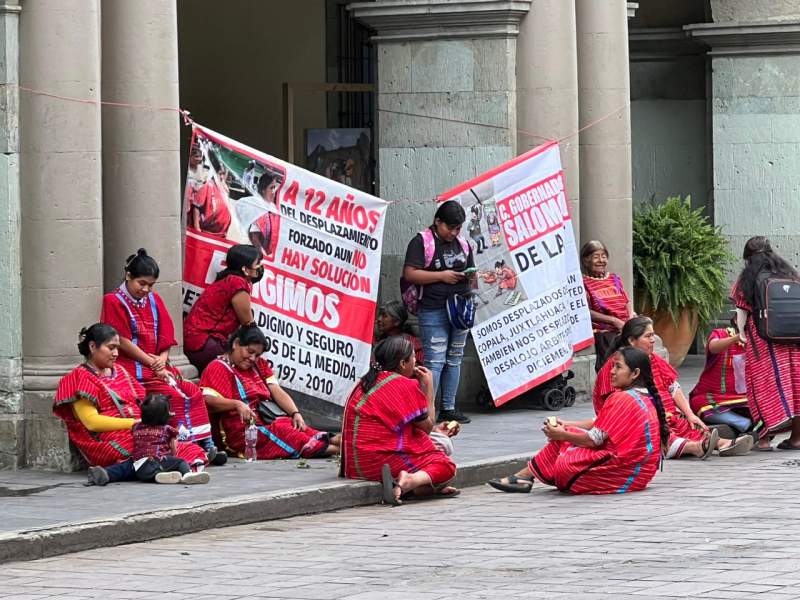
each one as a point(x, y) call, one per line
point(776, 310)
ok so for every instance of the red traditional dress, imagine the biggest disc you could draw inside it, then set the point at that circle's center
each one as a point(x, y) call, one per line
point(276, 440)
point(627, 460)
point(773, 376)
point(607, 296)
point(665, 377)
point(211, 201)
point(116, 395)
point(508, 279)
point(147, 324)
point(212, 315)
point(378, 428)
point(715, 392)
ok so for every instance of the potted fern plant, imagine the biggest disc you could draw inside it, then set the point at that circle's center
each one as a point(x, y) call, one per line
point(679, 264)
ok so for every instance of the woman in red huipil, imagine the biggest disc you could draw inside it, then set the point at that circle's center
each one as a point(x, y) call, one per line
point(222, 307)
point(146, 334)
point(235, 384)
point(715, 398)
point(773, 370)
point(393, 320)
point(386, 426)
point(609, 305)
point(99, 404)
point(688, 434)
point(619, 451)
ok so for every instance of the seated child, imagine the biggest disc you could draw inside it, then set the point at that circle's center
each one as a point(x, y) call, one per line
point(393, 320)
point(154, 446)
point(720, 395)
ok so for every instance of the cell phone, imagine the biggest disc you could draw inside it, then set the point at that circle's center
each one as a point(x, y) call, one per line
point(470, 270)
point(552, 421)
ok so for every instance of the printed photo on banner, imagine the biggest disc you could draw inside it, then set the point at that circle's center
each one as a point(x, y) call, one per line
point(531, 312)
point(321, 242)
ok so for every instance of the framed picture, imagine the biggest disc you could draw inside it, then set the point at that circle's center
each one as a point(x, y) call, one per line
point(343, 155)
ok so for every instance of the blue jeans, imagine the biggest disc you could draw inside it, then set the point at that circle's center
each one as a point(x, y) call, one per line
point(731, 418)
point(444, 348)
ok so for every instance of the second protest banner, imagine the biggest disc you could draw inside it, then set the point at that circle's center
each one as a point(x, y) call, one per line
point(322, 246)
point(531, 306)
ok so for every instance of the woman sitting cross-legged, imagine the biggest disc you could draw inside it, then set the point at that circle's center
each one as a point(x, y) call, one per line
point(617, 452)
point(237, 382)
point(386, 427)
point(688, 433)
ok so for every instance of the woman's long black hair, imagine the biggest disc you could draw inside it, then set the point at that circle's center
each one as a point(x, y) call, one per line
point(760, 258)
point(388, 354)
point(633, 328)
point(240, 255)
point(636, 359)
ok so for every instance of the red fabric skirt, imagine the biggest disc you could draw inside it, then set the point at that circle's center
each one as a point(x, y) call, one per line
point(278, 440)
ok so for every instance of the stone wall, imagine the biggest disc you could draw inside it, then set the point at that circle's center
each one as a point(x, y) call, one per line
point(756, 128)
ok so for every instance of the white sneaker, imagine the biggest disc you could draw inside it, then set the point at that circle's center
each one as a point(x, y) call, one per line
point(170, 477)
point(192, 477)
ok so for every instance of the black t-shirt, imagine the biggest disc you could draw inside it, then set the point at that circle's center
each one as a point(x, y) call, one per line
point(447, 256)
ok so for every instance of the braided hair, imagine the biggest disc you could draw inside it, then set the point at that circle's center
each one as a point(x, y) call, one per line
point(389, 353)
point(636, 359)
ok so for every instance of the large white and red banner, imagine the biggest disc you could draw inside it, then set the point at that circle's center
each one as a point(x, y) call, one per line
point(322, 245)
point(532, 313)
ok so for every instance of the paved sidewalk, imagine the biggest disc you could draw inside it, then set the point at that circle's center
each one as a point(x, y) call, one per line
point(720, 529)
point(45, 513)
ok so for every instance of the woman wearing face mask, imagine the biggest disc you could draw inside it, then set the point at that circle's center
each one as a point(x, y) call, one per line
point(146, 334)
point(235, 384)
point(442, 277)
point(222, 307)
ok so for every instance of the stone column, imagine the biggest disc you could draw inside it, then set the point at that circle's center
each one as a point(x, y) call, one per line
point(141, 148)
point(12, 439)
point(547, 86)
point(446, 112)
point(60, 183)
point(605, 148)
point(754, 100)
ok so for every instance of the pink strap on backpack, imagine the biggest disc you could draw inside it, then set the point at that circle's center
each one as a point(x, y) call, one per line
point(429, 246)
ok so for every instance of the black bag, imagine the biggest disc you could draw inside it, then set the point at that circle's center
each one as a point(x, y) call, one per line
point(776, 310)
point(269, 410)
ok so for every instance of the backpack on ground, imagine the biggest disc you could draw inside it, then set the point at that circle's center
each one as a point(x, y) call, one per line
point(412, 293)
point(776, 309)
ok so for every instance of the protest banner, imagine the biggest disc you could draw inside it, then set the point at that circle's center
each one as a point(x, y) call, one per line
point(322, 246)
point(531, 312)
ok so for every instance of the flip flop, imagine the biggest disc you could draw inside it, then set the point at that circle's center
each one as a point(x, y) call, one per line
point(412, 497)
point(521, 485)
point(758, 448)
point(742, 445)
point(787, 445)
point(710, 444)
point(389, 483)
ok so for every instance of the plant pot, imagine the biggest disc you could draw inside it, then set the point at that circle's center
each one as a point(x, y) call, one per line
point(677, 338)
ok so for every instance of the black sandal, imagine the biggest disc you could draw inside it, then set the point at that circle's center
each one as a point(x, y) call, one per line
point(521, 485)
point(389, 483)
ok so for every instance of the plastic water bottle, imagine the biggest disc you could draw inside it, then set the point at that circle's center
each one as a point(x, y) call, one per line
point(250, 440)
point(738, 373)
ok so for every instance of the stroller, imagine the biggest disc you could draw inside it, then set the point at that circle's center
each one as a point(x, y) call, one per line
point(552, 395)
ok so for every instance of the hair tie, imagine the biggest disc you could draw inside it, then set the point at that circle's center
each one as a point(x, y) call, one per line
point(377, 366)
